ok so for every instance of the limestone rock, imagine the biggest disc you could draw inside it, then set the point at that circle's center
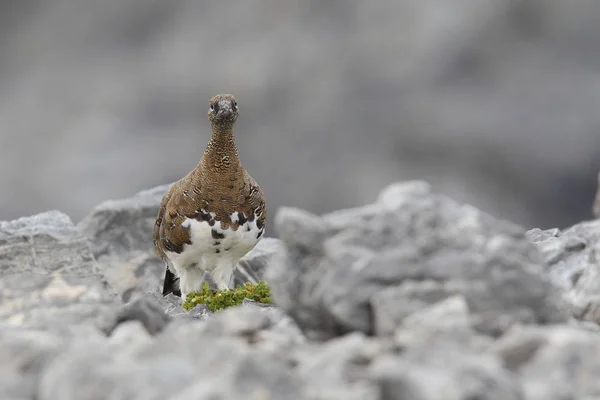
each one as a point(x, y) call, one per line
point(573, 259)
point(120, 236)
point(417, 246)
point(24, 354)
point(337, 369)
point(176, 364)
point(251, 267)
point(409, 297)
point(44, 243)
point(554, 362)
point(149, 313)
point(49, 277)
point(454, 371)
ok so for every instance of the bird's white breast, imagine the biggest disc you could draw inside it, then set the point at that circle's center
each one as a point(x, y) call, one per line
point(212, 245)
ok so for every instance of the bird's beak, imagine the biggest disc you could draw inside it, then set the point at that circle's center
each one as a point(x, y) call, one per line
point(224, 107)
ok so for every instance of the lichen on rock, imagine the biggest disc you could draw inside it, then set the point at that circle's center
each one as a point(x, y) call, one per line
point(219, 299)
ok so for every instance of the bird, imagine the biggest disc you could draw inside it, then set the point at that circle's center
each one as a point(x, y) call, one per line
point(213, 216)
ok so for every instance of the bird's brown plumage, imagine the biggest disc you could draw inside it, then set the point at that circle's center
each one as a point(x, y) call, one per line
point(219, 185)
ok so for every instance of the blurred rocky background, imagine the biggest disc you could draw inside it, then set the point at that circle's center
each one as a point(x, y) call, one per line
point(494, 102)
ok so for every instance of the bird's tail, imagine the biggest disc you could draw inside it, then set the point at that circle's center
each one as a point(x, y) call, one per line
point(171, 284)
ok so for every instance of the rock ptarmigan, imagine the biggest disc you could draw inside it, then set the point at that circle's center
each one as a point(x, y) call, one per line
point(214, 215)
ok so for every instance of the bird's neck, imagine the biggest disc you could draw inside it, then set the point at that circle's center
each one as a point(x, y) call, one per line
point(221, 154)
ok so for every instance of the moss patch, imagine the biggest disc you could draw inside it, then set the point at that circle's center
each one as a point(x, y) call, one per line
point(219, 299)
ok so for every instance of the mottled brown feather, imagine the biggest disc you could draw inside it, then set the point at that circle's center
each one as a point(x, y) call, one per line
point(219, 184)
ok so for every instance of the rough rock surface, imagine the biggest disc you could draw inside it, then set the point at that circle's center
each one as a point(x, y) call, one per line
point(413, 297)
point(573, 259)
point(50, 279)
point(366, 269)
point(120, 236)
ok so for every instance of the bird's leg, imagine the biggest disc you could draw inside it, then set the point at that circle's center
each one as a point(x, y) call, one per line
point(190, 280)
point(222, 275)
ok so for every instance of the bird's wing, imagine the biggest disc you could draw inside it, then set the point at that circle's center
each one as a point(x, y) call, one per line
point(160, 218)
point(256, 200)
point(169, 233)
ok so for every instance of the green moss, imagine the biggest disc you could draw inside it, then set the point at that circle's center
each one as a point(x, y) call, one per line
point(219, 299)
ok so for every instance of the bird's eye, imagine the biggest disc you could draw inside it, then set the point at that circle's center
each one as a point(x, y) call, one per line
point(214, 107)
point(234, 104)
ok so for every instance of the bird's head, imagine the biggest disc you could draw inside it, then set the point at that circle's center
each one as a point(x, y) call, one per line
point(223, 110)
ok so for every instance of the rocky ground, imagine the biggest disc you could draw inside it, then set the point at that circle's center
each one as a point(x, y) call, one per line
point(412, 297)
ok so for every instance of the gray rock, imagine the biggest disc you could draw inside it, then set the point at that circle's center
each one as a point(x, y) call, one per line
point(170, 303)
point(94, 371)
point(391, 305)
point(521, 344)
point(332, 271)
point(562, 253)
point(251, 267)
point(23, 355)
point(553, 362)
point(123, 226)
point(200, 311)
point(50, 279)
point(337, 369)
point(120, 236)
point(441, 326)
point(438, 352)
point(14, 386)
point(26, 350)
point(144, 310)
point(456, 372)
point(174, 363)
point(256, 377)
point(266, 328)
point(237, 321)
point(573, 260)
point(131, 336)
point(409, 297)
point(57, 302)
point(450, 314)
point(44, 243)
point(166, 306)
point(252, 303)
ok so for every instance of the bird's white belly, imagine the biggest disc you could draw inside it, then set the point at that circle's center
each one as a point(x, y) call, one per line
point(213, 250)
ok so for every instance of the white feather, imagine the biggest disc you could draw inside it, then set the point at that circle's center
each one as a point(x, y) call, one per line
point(202, 255)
